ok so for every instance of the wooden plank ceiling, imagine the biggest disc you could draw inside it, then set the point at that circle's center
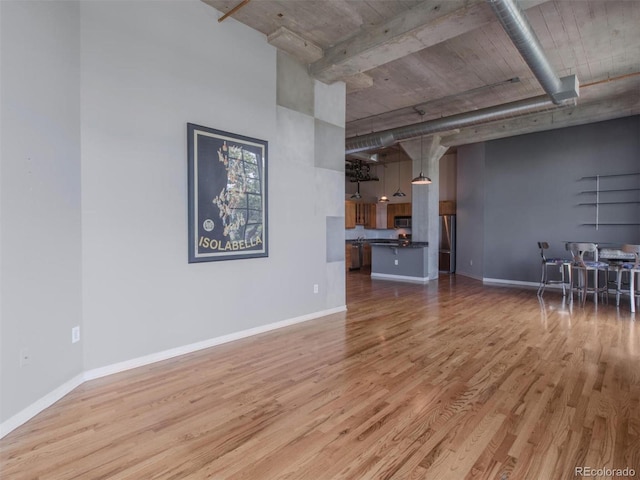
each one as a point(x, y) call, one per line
point(401, 58)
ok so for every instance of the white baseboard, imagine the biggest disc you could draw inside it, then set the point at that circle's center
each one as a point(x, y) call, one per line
point(193, 347)
point(514, 283)
point(518, 283)
point(40, 405)
point(55, 395)
point(468, 275)
point(400, 278)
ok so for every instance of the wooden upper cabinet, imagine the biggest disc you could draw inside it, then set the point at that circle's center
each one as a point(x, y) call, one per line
point(447, 207)
point(397, 210)
point(404, 209)
point(366, 214)
point(370, 218)
point(349, 214)
point(391, 209)
point(360, 213)
point(357, 213)
point(391, 212)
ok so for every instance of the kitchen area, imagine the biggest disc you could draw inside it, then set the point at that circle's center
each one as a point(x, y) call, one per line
point(378, 223)
point(361, 229)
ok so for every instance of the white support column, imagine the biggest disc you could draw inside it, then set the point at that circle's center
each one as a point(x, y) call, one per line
point(425, 198)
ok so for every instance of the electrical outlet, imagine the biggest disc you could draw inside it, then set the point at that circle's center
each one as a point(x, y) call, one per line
point(395, 262)
point(25, 357)
point(315, 288)
point(75, 334)
point(471, 262)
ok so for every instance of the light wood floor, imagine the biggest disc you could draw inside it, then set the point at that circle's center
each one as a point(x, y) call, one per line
point(453, 380)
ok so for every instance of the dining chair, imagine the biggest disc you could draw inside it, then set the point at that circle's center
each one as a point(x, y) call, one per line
point(633, 269)
point(553, 263)
point(585, 261)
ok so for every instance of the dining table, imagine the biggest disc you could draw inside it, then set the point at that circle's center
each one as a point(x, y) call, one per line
point(608, 251)
point(612, 253)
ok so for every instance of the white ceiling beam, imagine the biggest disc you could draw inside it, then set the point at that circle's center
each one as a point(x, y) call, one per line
point(425, 25)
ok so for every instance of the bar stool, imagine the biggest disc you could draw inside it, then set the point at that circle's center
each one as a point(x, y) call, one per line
point(633, 269)
point(559, 263)
point(583, 267)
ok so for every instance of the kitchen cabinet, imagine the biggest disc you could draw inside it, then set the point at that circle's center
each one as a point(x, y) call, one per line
point(366, 254)
point(405, 209)
point(347, 256)
point(397, 210)
point(358, 213)
point(447, 207)
point(372, 221)
point(349, 214)
point(353, 249)
point(367, 215)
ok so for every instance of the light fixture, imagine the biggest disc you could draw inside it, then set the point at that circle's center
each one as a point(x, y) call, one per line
point(384, 198)
point(357, 194)
point(399, 193)
point(421, 179)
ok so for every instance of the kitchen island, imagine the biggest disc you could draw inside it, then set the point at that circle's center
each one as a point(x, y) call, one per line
point(403, 261)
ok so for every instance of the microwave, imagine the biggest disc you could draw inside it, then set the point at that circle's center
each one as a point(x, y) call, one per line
point(402, 222)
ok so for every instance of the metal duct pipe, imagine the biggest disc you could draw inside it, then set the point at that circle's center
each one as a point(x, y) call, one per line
point(381, 139)
point(365, 157)
point(561, 91)
point(519, 29)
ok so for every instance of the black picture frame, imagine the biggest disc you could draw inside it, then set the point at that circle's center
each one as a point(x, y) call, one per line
point(228, 197)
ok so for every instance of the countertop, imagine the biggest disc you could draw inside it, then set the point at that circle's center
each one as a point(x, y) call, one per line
point(374, 240)
point(389, 242)
point(399, 244)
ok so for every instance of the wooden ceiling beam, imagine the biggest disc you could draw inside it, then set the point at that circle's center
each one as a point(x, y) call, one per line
point(233, 10)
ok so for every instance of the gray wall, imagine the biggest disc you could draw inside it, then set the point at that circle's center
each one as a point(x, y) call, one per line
point(533, 186)
point(134, 139)
point(140, 87)
point(97, 95)
point(470, 210)
point(40, 250)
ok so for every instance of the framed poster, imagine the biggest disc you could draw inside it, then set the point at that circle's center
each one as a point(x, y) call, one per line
point(227, 195)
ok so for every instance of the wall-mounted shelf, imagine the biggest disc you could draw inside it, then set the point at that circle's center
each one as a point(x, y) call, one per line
point(613, 190)
point(620, 191)
point(609, 203)
point(595, 177)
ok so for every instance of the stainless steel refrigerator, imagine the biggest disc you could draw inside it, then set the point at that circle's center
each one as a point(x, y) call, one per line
point(447, 247)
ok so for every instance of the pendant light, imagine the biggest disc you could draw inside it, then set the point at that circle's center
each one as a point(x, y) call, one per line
point(399, 193)
point(357, 195)
point(384, 198)
point(421, 179)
